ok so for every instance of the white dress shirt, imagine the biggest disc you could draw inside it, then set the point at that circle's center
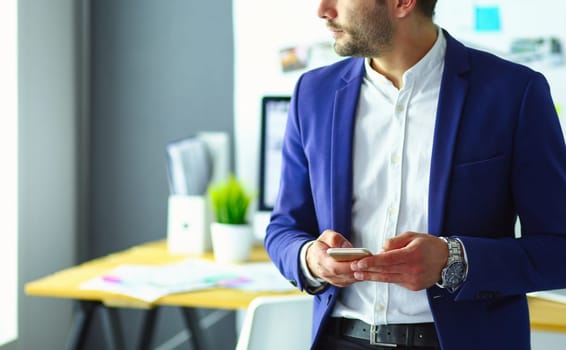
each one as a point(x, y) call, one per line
point(391, 169)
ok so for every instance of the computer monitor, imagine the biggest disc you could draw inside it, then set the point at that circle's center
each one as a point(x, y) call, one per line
point(273, 120)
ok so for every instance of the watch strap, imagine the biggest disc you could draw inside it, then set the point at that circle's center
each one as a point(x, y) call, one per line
point(456, 257)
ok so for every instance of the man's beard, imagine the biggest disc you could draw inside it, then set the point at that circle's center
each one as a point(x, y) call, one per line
point(364, 39)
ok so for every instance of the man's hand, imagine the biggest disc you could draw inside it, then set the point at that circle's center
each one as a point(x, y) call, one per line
point(412, 260)
point(321, 265)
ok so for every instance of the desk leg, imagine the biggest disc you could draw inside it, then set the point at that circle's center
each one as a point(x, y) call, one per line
point(112, 328)
point(148, 326)
point(83, 319)
point(80, 325)
point(192, 323)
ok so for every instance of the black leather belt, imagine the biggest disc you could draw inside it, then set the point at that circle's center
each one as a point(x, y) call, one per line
point(392, 335)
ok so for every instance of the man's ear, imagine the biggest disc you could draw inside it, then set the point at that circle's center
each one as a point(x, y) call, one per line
point(404, 7)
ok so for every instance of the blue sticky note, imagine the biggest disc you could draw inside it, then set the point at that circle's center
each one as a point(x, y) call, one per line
point(488, 19)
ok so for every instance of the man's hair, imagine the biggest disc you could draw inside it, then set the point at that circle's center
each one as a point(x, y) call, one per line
point(427, 7)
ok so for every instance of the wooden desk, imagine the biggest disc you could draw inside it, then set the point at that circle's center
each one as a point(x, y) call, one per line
point(545, 315)
point(66, 284)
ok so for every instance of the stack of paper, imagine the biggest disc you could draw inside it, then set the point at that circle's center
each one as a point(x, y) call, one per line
point(194, 162)
point(189, 166)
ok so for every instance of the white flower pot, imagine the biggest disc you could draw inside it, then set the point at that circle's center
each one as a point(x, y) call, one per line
point(231, 243)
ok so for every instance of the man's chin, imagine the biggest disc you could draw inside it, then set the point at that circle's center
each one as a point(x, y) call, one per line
point(341, 50)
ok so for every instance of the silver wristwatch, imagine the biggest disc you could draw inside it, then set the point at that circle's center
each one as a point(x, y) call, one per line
point(454, 274)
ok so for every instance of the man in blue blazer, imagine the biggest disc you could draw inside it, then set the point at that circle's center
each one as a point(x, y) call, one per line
point(426, 152)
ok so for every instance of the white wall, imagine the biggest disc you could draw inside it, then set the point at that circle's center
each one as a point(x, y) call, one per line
point(261, 28)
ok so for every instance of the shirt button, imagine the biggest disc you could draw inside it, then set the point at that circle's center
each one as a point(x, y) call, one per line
point(399, 108)
point(392, 210)
point(395, 158)
point(379, 307)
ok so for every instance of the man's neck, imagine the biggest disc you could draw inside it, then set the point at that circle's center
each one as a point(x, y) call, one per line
point(408, 48)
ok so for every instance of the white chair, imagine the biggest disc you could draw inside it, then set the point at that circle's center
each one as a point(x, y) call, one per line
point(277, 323)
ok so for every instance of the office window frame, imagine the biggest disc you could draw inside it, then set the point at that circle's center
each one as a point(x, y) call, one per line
point(9, 173)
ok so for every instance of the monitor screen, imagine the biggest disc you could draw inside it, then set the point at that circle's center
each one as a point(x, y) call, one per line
point(273, 120)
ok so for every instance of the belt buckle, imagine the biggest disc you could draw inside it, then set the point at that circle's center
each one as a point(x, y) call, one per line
point(373, 340)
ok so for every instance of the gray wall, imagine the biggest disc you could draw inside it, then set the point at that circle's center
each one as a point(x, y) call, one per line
point(160, 71)
point(149, 72)
point(48, 106)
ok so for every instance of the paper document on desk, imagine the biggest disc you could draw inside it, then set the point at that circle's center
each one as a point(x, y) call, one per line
point(258, 277)
point(557, 295)
point(151, 282)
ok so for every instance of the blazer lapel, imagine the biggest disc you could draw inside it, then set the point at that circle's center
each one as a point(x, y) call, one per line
point(345, 106)
point(453, 90)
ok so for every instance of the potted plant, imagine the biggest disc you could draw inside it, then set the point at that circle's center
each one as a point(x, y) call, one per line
point(231, 234)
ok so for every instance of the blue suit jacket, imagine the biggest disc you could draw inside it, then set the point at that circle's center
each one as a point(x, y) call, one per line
point(498, 153)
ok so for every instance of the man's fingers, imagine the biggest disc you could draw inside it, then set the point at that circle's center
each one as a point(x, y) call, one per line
point(416, 265)
point(324, 266)
point(383, 261)
point(334, 239)
point(399, 241)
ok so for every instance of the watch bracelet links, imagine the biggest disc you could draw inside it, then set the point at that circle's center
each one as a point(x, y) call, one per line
point(456, 253)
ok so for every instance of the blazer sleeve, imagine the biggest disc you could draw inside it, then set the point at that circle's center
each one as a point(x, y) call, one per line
point(537, 176)
point(293, 220)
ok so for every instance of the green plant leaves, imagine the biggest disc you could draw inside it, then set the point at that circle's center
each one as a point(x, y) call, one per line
point(230, 201)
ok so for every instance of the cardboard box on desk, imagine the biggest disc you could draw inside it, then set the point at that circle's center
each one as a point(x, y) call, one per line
point(188, 224)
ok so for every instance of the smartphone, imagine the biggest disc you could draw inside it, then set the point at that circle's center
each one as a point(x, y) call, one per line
point(348, 254)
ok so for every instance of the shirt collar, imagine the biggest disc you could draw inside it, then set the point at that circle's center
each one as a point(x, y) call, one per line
point(433, 57)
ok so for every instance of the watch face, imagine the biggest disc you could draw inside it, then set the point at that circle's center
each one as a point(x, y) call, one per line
point(454, 274)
